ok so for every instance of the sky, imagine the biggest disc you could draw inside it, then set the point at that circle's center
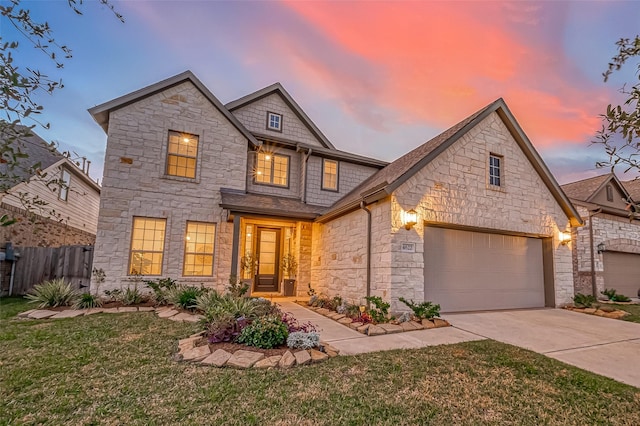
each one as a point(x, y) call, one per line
point(377, 77)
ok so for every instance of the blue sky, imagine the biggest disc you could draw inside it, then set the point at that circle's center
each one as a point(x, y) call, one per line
point(378, 78)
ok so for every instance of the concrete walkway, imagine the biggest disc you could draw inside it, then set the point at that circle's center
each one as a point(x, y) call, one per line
point(350, 342)
point(601, 345)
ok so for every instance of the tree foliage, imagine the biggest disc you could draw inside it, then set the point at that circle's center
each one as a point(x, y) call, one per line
point(20, 85)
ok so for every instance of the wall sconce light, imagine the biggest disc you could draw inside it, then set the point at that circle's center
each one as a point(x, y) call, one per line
point(565, 238)
point(409, 218)
point(601, 248)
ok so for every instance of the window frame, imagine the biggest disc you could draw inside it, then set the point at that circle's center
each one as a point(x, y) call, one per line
point(322, 186)
point(185, 253)
point(280, 118)
point(609, 190)
point(131, 251)
point(169, 154)
point(491, 167)
point(65, 185)
point(273, 156)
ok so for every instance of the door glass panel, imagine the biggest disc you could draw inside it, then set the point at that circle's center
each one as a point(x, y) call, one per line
point(267, 252)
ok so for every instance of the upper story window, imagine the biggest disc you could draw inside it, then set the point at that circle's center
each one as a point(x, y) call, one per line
point(495, 170)
point(65, 184)
point(182, 155)
point(274, 121)
point(329, 175)
point(147, 246)
point(609, 193)
point(272, 169)
point(198, 249)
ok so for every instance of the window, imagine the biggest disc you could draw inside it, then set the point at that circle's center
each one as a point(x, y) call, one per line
point(147, 246)
point(272, 169)
point(274, 121)
point(495, 170)
point(330, 175)
point(198, 249)
point(609, 193)
point(182, 155)
point(65, 183)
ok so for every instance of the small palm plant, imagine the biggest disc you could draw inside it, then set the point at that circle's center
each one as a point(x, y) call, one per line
point(50, 294)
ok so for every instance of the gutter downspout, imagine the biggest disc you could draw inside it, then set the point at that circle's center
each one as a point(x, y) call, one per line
point(306, 160)
point(594, 286)
point(363, 207)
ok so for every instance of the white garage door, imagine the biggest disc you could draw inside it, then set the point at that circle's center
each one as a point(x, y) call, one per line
point(622, 272)
point(470, 271)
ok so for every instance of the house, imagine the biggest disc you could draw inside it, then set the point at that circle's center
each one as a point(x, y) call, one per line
point(54, 201)
point(606, 251)
point(197, 190)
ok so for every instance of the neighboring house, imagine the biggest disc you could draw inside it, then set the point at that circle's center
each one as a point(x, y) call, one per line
point(49, 215)
point(606, 251)
point(471, 220)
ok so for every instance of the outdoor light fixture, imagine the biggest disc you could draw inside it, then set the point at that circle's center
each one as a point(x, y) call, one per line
point(565, 237)
point(601, 248)
point(409, 218)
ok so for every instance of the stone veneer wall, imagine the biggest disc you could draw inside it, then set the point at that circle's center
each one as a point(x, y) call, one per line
point(135, 184)
point(616, 232)
point(453, 189)
point(38, 231)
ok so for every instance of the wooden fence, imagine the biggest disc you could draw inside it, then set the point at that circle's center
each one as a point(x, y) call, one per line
point(37, 264)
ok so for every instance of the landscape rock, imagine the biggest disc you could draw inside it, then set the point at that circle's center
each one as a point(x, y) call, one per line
point(302, 357)
point(167, 313)
point(428, 323)
point(440, 323)
point(408, 326)
point(599, 312)
point(25, 314)
point(110, 310)
point(345, 321)
point(317, 356)
point(219, 358)
point(390, 328)
point(146, 309)
point(244, 359)
point(363, 328)
point(355, 325)
point(71, 313)
point(331, 354)
point(615, 314)
point(328, 347)
point(184, 317)
point(323, 311)
point(270, 362)
point(188, 343)
point(590, 310)
point(417, 325)
point(287, 360)
point(375, 330)
point(127, 309)
point(196, 354)
point(42, 314)
point(93, 311)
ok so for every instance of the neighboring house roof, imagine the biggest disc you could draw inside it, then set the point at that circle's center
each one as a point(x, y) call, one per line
point(242, 202)
point(584, 189)
point(100, 113)
point(384, 182)
point(633, 188)
point(278, 89)
point(38, 151)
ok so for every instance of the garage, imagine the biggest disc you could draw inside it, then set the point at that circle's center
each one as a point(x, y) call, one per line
point(622, 272)
point(472, 271)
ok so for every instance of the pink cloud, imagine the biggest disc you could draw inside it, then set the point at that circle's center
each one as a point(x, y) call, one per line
point(436, 62)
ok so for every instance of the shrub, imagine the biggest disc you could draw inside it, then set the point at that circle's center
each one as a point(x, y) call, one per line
point(185, 296)
point(114, 294)
point(264, 333)
point(614, 297)
point(237, 288)
point(161, 287)
point(207, 300)
point(50, 294)
point(263, 307)
point(584, 300)
point(87, 301)
point(380, 310)
point(225, 328)
point(311, 292)
point(302, 340)
point(131, 296)
point(293, 326)
point(424, 310)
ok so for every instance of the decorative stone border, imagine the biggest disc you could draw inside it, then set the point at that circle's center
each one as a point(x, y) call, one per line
point(190, 351)
point(379, 329)
point(163, 312)
point(616, 314)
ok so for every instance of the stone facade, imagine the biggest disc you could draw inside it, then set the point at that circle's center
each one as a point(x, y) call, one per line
point(617, 233)
point(135, 183)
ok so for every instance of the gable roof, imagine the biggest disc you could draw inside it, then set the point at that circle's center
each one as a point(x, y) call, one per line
point(100, 113)
point(633, 188)
point(587, 189)
point(384, 182)
point(276, 88)
point(37, 150)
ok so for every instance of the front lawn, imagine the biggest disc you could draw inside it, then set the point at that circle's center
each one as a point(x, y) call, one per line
point(634, 310)
point(117, 369)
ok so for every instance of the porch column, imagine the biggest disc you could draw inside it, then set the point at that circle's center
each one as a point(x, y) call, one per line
point(235, 246)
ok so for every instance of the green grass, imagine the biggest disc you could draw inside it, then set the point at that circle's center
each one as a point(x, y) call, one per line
point(117, 369)
point(634, 310)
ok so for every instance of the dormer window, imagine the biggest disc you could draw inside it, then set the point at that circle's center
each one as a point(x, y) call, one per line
point(274, 121)
point(495, 170)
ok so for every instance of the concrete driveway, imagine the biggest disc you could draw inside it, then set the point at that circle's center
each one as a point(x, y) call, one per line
point(601, 345)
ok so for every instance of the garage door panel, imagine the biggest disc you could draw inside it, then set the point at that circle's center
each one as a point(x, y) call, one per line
point(467, 270)
point(622, 272)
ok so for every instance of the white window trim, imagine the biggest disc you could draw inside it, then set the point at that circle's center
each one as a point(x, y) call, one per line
point(280, 118)
point(324, 188)
point(65, 185)
point(500, 167)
